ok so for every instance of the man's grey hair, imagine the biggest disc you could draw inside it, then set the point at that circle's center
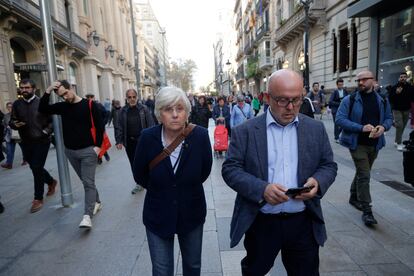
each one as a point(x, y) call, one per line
point(169, 96)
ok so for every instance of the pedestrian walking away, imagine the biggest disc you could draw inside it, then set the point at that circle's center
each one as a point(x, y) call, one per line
point(281, 165)
point(34, 130)
point(133, 118)
point(334, 102)
point(80, 148)
point(364, 117)
point(172, 161)
point(401, 97)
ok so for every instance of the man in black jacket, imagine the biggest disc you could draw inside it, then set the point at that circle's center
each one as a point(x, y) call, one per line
point(133, 118)
point(35, 130)
point(334, 102)
point(401, 96)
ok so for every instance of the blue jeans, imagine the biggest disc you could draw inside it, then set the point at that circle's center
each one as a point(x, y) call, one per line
point(10, 148)
point(162, 252)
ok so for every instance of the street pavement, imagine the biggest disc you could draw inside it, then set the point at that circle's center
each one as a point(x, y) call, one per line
point(49, 242)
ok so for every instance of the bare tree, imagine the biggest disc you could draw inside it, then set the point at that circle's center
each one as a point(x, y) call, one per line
point(180, 74)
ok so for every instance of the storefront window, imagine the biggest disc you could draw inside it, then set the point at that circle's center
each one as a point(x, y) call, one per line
point(396, 46)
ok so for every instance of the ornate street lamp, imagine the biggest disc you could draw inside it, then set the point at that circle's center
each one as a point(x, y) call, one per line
point(95, 37)
point(110, 50)
point(121, 59)
point(228, 63)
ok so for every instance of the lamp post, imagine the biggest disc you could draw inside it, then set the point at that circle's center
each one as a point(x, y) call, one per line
point(306, 5)
point(163, 56)
point(228, 63)
point(135, 49)
point(221, 82)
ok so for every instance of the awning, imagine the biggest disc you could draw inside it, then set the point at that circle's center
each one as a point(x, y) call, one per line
point(376, 8)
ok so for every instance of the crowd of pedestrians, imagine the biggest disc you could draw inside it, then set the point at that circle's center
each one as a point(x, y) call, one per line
point(279, 161)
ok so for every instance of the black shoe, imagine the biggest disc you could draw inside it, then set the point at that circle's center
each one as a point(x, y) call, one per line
point(107, 158)
point(1, 208)
point(356, 204)
point(368, 219)
point(99, 161)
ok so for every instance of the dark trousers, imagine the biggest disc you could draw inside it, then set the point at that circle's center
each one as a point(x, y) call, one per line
point(363, 157)
point(337, 128)
point(35, 155)
point(130, 149)
point(292, 235)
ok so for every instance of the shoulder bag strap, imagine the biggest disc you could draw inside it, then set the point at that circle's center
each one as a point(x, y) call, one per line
point(93, 124)
point(171, 147)
point(242, 111)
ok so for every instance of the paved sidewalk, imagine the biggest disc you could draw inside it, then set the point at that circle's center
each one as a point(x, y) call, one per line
point(50, 243)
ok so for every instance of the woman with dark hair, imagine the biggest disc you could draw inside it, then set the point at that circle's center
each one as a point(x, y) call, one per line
point(201, 113)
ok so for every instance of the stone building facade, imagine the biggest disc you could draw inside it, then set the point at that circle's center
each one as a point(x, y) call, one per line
point(93, 45)
point(270, 37)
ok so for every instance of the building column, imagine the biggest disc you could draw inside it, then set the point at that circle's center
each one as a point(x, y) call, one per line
point(338, 51)
point(7, 84)
point(125, 83)
point(106, 79)
point(91, 76)
point(119, 93)
point(351, 44)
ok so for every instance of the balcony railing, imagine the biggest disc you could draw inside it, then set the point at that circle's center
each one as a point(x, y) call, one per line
point(292, 27)
point(248, 47)
point(265, 62)
point(261, 31)
point(240, 73)
point(264, 4)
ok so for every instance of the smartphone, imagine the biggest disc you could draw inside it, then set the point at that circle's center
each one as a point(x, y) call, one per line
point(292, 192)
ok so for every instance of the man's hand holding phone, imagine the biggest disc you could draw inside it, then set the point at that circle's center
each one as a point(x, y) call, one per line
point(275, 194)
point(313, 185)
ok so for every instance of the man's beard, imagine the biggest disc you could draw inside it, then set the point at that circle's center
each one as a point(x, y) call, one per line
point(27, 95)
point(363, 89)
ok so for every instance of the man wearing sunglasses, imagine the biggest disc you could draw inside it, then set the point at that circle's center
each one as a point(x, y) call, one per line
point(34, 129)
point(268, 155)
point(364, 117)
point(133, 118)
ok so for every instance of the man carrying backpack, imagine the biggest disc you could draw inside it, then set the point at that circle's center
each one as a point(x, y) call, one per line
point(363, 116)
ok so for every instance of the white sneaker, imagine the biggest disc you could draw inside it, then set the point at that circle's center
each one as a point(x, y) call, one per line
point(86, 222)
point(400, 147)
point(395, 144)
point(97, 208)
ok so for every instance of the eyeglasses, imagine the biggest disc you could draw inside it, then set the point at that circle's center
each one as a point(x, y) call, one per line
point(170, 109)
point(363, 79)
point(284, 102)
point(131, 97)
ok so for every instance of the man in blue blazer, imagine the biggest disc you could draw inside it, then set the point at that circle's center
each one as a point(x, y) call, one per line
point(269, 154)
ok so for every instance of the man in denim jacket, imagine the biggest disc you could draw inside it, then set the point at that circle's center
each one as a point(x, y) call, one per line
point(363, 117)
